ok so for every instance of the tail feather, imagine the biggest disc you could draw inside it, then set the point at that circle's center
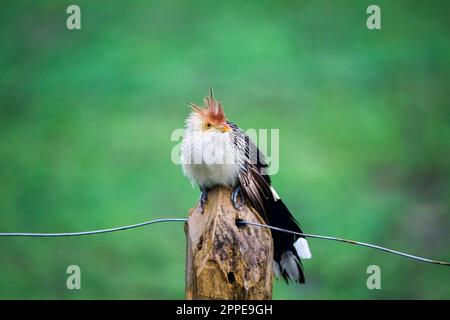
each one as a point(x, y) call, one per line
point(289, 264)
point(302, 248)
point(288, 248)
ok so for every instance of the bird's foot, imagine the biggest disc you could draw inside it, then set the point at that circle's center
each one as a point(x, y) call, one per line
point(203, 200)
point(235, 194)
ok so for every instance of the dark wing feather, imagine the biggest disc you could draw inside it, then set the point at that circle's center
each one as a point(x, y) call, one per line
point(253, 177)
point(256, 186)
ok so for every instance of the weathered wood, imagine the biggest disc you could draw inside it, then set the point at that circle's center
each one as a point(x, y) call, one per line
point(222, 260)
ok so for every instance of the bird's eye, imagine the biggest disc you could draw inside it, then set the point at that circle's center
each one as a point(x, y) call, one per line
point(208, 125)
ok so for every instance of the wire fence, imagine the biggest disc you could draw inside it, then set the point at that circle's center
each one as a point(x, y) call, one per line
point(238, 222)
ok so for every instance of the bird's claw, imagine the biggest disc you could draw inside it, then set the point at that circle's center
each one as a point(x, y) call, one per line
point(203, 200)
point(237, 192)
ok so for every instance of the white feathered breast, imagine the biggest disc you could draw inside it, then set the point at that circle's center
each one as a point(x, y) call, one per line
point(208, 156)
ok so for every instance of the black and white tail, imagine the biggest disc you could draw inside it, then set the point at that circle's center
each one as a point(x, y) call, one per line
point(289, 249)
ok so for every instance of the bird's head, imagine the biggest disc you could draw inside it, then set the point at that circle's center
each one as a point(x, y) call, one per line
point(209, 118)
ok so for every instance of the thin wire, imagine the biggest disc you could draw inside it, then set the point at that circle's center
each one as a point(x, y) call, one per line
point(358, 243)
point(86, 233)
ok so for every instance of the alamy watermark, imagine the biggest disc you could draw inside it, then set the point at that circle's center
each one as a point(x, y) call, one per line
point(373, 22)
point(73, 282)
point(73, 21)
point(374, 280)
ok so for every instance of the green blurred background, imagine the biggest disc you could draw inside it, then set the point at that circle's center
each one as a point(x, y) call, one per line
point(86, 118)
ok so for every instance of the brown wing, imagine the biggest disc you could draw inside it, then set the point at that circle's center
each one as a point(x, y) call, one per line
point(256, 186)
point(253, 175)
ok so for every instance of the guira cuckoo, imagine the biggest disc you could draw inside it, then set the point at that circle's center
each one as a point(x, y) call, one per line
point(216, 152)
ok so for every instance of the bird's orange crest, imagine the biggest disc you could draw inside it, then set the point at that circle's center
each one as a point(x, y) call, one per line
point(212, 111)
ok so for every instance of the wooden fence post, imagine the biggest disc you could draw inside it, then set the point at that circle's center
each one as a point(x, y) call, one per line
point(224, 261)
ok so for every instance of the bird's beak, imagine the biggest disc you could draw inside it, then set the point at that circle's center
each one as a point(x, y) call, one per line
point(225, 127)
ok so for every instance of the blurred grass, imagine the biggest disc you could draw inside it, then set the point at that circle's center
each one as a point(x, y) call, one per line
point(86, 118)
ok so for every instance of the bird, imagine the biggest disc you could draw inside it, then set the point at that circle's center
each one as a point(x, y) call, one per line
point(216, 152)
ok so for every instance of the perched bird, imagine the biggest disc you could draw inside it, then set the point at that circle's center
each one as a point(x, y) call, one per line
point(216, 152)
